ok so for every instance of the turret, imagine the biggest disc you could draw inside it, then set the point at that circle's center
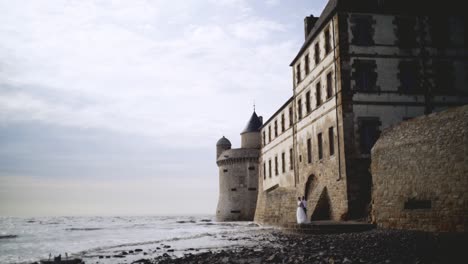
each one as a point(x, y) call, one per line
point(250, 136)
point(222, 145)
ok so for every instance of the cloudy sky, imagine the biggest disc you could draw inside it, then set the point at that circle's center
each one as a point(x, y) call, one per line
point(115, 107)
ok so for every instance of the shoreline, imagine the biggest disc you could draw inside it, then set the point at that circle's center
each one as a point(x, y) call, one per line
point(375, 246)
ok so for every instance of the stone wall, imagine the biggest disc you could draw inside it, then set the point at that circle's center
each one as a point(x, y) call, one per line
point(420, 173)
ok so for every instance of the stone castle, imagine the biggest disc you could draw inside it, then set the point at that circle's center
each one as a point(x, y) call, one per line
point(364, 66)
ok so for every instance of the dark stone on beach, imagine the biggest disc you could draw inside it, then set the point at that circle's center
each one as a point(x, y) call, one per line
point(124, 253)
point(118, 256)
point(170, 250)
point(101, 257)
point(138, 250)
point(166, 246)
point(108, 256)
point(205, 220)
point(158, 248)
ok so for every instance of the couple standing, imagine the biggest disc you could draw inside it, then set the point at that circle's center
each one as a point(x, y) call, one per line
point(301, 212)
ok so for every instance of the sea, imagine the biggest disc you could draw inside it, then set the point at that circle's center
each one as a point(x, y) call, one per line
point(103, 239)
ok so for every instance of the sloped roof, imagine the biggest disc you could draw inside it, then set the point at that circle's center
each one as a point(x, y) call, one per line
point(253, 125)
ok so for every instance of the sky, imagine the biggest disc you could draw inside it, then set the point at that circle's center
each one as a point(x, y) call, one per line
point(115, 107)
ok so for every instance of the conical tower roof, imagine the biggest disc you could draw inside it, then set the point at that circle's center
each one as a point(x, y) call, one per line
point(223, 142)
point(254, 124)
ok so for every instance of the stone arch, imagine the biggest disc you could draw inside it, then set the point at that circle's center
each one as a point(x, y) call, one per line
point(322, 210)
point(309, 188)
point(311, 183)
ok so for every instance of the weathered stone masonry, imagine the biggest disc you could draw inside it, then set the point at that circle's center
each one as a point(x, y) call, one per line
point(420, 173)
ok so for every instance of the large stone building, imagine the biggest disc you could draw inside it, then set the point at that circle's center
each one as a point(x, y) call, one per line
point(238, 174)
point(365, 65)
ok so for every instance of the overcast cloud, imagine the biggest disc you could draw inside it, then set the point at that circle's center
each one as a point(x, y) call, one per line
point(114, 107)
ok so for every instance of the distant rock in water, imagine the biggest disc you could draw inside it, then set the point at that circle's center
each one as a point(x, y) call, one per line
point(8, 236)
point(83, 229)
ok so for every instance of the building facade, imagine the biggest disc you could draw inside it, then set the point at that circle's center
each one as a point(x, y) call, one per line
point(238, 174)
point(364, 66)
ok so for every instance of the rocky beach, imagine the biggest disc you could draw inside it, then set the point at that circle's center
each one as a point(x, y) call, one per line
point(375, 246)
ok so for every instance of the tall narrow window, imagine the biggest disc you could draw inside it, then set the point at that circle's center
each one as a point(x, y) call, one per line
point(444, 77)
point(331, 141)
point(368, 133)
point(299, 109)
point(362, 30)
point(406, 31)
point(283, 162)
point(320, 146)
point(364, 75)
point(329, 85)
point(308, 102)
point(318, 94)
point(264, 138)
point(309, 150)
point(291, 116)
point(409, 77)
point(269, 168)
point(298, 73)
point(276, 128)
point(317, 53)
point(264, 170)
point(327, 41)
point(276, 165)
point(306, 64)
point(291, 160)
point(282, 122)
point(269, 133)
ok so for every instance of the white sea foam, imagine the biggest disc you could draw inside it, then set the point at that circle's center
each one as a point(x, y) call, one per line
point(25, 240)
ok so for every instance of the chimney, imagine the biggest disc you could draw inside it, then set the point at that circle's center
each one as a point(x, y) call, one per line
point(309, 23)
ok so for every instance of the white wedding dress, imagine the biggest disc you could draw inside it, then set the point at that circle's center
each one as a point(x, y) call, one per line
point(300, 214)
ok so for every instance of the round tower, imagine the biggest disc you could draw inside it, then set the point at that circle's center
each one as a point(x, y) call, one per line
point(250, 136)
point(222, 145)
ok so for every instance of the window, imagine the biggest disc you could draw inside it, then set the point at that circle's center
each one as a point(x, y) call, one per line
point(282, 122)
point(306, 64)
point(368, 133)
point(440, 31)
point(409, 77)
point(251, 168)
point(269, 133)
point(283, 162)
point(364, 75)
point(444, 79)
point(276, 165)
point(291, 118)
point(331, 141)
point(327, 41)
point(309, 150)
point(264, 170)
point(298, 73)
point(362, 30)
point(329, 85)
point(308, 102)
point(405, 31)
point(320, 146)
point(276, 128)
point(269, 168)
point(318, 95)
point(264, 138)
point(299, 109)
point(291, 159)
point(317, 53)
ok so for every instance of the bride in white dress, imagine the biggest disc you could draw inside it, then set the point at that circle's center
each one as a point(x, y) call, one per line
point(300, 213)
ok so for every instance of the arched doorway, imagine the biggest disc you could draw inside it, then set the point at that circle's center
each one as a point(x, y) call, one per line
point(322, 209)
